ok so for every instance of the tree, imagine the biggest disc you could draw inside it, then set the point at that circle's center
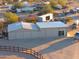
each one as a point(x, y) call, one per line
point(31, 19)
point(70, 7)
point(18, 5)
point(69, 20)
point(63, 3)
point(46, 9)
point(11, 17)
point(53, 3)
point(31, 1)
point(1, 25)
point(8, 1)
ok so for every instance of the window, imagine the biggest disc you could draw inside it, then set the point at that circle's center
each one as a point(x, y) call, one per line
point(48, 18)
point(61, 33)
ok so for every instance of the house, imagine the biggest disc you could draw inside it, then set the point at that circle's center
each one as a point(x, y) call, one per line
point(25, 9)
point(40, 30)
point(18, 10)
point(58, 6)
point(45, 17)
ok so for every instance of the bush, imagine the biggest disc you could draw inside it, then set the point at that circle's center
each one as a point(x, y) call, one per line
point(11, 17)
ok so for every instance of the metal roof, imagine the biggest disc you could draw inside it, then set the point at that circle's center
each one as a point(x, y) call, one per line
point(27, 8)
point(21, 25)
point(51, 24)
point(37, 26)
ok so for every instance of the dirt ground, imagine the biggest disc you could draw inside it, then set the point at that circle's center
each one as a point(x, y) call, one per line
point(63, 48)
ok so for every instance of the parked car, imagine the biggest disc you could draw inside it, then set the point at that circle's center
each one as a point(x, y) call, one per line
point(76, 37)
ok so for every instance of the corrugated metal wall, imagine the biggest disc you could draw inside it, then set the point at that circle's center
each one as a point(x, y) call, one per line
point(34, 34)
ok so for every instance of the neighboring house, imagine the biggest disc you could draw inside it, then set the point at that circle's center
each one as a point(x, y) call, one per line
point(40, 30)
point(18, 10)
point(58, 6)
point(38, 6)
point(45, 17)
point(25, 9)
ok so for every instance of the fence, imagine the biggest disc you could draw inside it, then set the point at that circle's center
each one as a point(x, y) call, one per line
point(21, 50)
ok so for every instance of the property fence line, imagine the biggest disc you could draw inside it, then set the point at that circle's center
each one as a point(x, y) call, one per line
point(21, 50)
